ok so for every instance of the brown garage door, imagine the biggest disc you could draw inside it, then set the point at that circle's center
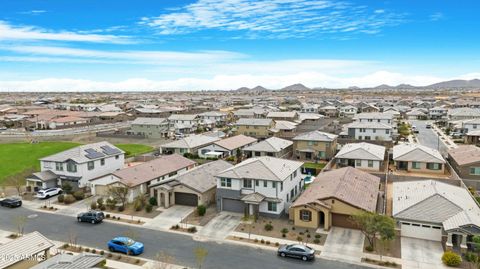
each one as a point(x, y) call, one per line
point(182, 198)
point(340, 220)
point(101, 190)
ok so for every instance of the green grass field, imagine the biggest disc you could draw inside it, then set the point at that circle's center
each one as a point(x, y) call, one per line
point(314, 165)
point(134, 149)
point(18, 157)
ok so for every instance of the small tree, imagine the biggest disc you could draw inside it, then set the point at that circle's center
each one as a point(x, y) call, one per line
point(373, 224)
point(162, 261)
point(200, 255)
point(119, 193)
point(72, 237)
point(239, 155)
point(20, 222)
point(67, 188)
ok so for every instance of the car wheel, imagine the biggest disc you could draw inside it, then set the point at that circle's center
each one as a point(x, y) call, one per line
point(93, 221)
point(282, 254)
point(304, 258)
point(79, 219)
point(111, 249)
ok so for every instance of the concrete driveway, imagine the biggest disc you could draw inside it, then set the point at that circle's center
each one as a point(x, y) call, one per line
point(169, 217)
point(419, 253)
point(344, 244)
point(221, 226)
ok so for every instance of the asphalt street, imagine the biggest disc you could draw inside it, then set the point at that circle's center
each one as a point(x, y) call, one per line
point(428, 137)
point(181, 247)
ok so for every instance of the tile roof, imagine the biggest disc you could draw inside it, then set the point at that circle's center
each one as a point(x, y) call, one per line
point(350, 185)
point(78, 154)
point(266, 168)
point(24, 246)
point(67, 261)
point(150, 170)
point(316, 136)
point(202, 178)
point(374, 115)
point(235, 142)
point(150, 121)
point(465, 154)
point(281, 114)
point(254, 122)
point(368, 125)
point(191, 141)
point(188, 117)
point(417, 153)
point(361, 151)
point(272, 144)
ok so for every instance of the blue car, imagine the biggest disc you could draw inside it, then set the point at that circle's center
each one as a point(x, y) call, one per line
point(125, 245)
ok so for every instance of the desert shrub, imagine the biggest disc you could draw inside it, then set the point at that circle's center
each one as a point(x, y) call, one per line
point(299, 238)
point(148, 208)
point(102, 252)
point(118, 218)
point(87, 249)
point(94, 251)
point(256, 240)
point(109, 255)
point(103, 207)
point(68, 199)
point(111, 203)
point(318, 236)
point(121, 208)
point(67, 188)
point(201, 210)
point(138, 207)
point(268, 227)
point(470, 257)
point(61, 198)
point(284, 231)
point(293, 228)
point(153, 201)
point(93, 205)
point(262, 241)
point(451, 259)
point(277, 244)
point(267, 242)
point(137, 261)
point(107, 216)
point(100, 201)
point(66, 245)
point(369, 248)
point(284, 235)
point(308, 236)
point(316, 241)
point(192, 229)
point(230, 158)
point(79, 195)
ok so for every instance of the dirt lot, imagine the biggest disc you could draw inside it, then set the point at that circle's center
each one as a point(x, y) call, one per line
point(391, 248)
point(195, 219)
point(258, 228)
point(129, 210)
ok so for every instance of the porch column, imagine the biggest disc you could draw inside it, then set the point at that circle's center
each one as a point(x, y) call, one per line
point(463, 241)
point(167, 199)
point(449, 244)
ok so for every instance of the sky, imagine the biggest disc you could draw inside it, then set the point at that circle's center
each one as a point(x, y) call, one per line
point(120, 45)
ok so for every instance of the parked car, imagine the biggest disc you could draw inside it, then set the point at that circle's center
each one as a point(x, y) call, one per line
point(11, 202)
point(296, 251)
point(125, 245)
point(47, 193)
point(91, 216)
point(428, 126)
point(456, 135)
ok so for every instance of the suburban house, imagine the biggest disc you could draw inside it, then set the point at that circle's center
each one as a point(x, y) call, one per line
point(184, 123)
point(472, 137)
point(333, 197)
point(139, 178)
point(369, 131)
point(464, 113)
point(151, 127)
point(285, 129)
point(219, 118)
point(369, 109)
point(374, 117)
point(226, 147)
point(465, 160)
point(417, 158)
point(273, 147)
point(329, 111)
point(283, 115)
point(436, 113)
point(190, 144)
point(76, 166)
point(363, 156)
point(348, 111)
point(416, 114)
point(471, 125)
point(25, 252)
point(437, 211)
point(258, 128)
point(84, 260)
point(261, 185)
point(314, 145)
point(194, 187)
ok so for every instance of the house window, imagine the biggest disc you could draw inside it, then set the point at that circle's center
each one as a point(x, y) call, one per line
point(274, 184)
point(47, 165)
point(116, 157)
point(358, 163)
point(281, 186)
point(172, 174)
point(321, 154)
point(415, 165)
point(257, 182)
point(368, 138)
point(258, 153)
point(370, 163)
point(474, 170)
point(226, 182)
point(295, 174)
point(288, 198)
point(247, 183)
point(305, 215)
point(292, 194)
point(59, 166)
point(91, 165)
point(272, 206)
point(387, 131)
point(102, 162)
point(265, 183)
point(71, 167)
point(434, 166)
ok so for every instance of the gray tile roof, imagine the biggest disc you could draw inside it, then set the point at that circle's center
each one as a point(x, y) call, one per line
point(316, 136)
point(272, 144)
point(186, 117)
point(149, 121)
point(465, 154)
point(191, 141)
point(266, 168)
point(417, 153)
point(368, 125)
point(202, 178)
point(361, 151)
point(254, 122)
point(235, 142)
point(78, 154)
point(45, 175)
point(374, 115)
point(66, 261)
point(24, 246)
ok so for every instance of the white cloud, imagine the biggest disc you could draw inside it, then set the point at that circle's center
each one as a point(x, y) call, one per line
point(34, 12)
point(273, 18)
point(11, 32)
point(221, 82)
point(436, 16)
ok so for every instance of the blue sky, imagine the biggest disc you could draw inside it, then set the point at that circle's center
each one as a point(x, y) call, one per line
point(225, 44)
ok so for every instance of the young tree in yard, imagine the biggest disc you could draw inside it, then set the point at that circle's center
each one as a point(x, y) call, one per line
point(119, 193)
point(18, 180)
point(200, 255)
point(163, 261)
point(20, 222)
point(373, 224)
point(239, 155)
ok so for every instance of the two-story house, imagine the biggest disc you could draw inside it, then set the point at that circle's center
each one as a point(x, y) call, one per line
point(283, 115)
point(78, 165)
point(258, 128)
point(184, 123)
point(190, 144)
point(151, 127)
point(436, 113)
point(385, 118)
point(263, 185)
point(218, 118)
point(315, 145)
point(369, 131)
point(470, 125)
point(348, 111)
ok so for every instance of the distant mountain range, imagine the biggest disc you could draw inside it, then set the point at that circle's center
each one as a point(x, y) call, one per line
point(458, 83)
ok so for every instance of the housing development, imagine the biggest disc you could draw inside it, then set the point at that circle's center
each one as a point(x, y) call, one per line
point(233, 134)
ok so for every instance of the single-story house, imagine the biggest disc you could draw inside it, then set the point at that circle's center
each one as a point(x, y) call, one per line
point(190, 144)
point(194, 187)
point(363, 156)
point(25, 251)
point(417, 158)
point(138, 178)
point(435, 210)
point(227, 147)
point(273, 146)
point(333, 197)
point(64, 260)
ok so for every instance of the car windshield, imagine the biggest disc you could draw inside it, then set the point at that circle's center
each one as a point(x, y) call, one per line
point(129, 242)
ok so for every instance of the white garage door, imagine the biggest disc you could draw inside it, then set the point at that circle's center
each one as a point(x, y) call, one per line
point(421, 231)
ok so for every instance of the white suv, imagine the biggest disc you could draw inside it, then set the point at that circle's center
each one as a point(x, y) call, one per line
point(46, 193)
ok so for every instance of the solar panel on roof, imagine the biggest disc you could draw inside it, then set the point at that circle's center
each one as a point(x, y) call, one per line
point(110, 151)
point(93, 154)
